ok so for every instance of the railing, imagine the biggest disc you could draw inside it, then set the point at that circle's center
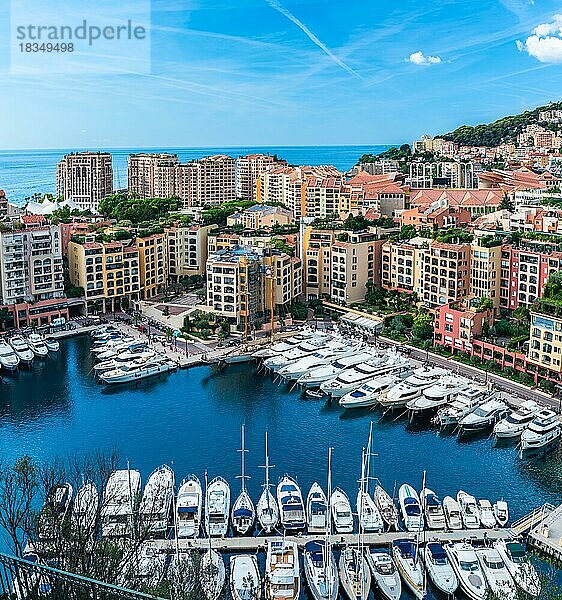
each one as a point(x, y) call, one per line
point(531, 519)
point(21, 579)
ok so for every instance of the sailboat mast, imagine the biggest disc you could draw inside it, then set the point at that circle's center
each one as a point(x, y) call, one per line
point(243, 474)
point(328, 508)
point(369, 454)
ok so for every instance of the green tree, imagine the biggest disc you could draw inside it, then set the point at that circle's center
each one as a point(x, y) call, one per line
point(5, 317)
point(522, 318)
point(423, 326)
point(485, 304)
point(507, 203)
point(407, 232)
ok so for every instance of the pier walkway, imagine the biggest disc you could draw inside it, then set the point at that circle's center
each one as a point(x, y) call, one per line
point(256, 544)
point(546, 536)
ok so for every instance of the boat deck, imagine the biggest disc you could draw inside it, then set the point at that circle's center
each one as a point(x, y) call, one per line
point(256, 544)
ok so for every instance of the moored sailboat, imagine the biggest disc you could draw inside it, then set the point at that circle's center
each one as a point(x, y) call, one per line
point(243, 511)
point(267, 509)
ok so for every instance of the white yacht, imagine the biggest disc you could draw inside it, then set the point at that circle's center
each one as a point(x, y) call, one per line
point(9, 360)
point(368, 394)
point(182, 574)
point(245, 580)
point(467, 568)
point(212, 574)
point(306, 348)
point(439, 568)
point(441, 393)
point(469, 510)
point(385, 574)
point(282, 570)
point(484, 416)
point(291, 506)
point(135, 358)
point(54, 511)
point(368, 514)
point(350, 379)
point(342, 517)
point(386, 507)
point(412, 387)
point(316, 509)
point(267, 510)
point(146, 570)
point(410, 508)
point(286, 344)
point(496, 573)
point(189, 505)
point(137, 371)
point(320, 570)
point(156, 502)
point(543, 430)
point(324, 356)
point(37, 344)
point(410, 567)
point(501, 512)
point(22, 349)
point(486, 513)
point(449, 416)
point(520, 568)
point(320, 374)
point(52, 344)
point(513, 425)
point(217, 507)
point(243, 510)
point(452, 512)
point(119, 503)
point(355, 575)
point(85, 511)
point(432, 509)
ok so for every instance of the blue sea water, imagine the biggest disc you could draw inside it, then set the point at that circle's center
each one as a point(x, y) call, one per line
point(191, 420)
point(25, 172)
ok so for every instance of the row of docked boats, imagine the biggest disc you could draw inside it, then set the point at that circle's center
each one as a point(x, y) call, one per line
point(22, 350)
point(120, 358)
point(360, 376)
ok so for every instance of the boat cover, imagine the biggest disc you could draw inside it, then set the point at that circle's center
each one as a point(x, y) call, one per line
point(243, 512)
point(437, 551)
point(406, 547)
point(187, 509)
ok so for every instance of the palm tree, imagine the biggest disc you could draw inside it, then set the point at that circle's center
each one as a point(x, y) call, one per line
point(521, 316)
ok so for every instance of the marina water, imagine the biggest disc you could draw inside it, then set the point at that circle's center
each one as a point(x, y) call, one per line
point(191, 420)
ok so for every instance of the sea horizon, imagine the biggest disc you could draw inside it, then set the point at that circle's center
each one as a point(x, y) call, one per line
point(29, 171)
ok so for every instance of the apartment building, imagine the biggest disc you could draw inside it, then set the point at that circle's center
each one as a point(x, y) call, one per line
point(261, 216)
point(187, 250)
point(485, 271)
point(353, 264)
point(380, 167)
point(207, 181)
point(153, 262)
point(435, 216)
point(402, 265)
point(450, 174)
point(317, 255)
point(109, 272)
point(85, 178)
point(545, 341)
point(456, 327)
point(3, 204)
point(286, 274)
point(248, 169)
point(445, 273)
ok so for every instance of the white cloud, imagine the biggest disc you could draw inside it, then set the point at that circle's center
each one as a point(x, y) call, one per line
point(545, 43)
point(419, 58)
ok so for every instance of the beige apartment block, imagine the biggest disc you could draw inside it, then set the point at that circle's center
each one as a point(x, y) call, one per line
point(151, 175)
point(248, 169)
point(153, 264)
point(485, 272)
point(402, 265)
point(85, 178)
point(545, 342)
point(317, 254)
point(187, 250)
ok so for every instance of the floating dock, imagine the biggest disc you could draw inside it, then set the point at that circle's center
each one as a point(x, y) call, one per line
point(257, 544)
point(546, 533)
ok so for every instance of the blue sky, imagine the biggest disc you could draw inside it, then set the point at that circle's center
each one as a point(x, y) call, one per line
point(306, 72)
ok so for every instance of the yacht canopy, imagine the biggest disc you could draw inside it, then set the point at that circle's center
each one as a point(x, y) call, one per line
point(369, 325)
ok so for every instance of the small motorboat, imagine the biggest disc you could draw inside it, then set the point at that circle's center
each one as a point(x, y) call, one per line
point(542, 431)
point(282, 570)
point(245, 580)
point(84, 511)
point(520, 568)
point(464, 403)
point(368, 394)
point(22, 349)
point(156, 503)
point(189, 505)
point(467, 569)
point(410, 508)
point(291, 506)
point(386, 507)
point(469, 510)
point(486, 513)
point(515, 423)
point(497, 575)
point(54, 511)
point(432, 509)
point(501, 512)
point(439, 568)
point(316, 393)
point(9, 360)
point(385, 574)
point(452, 512)
point(320, 570)
point(212, 574)
point(316, 509)
point(52, 344)
point(342, 517)
point(355, 575)
point(217, 507)
point(410, 567)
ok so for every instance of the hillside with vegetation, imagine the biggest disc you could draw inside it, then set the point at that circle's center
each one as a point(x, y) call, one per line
point(503, 130)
